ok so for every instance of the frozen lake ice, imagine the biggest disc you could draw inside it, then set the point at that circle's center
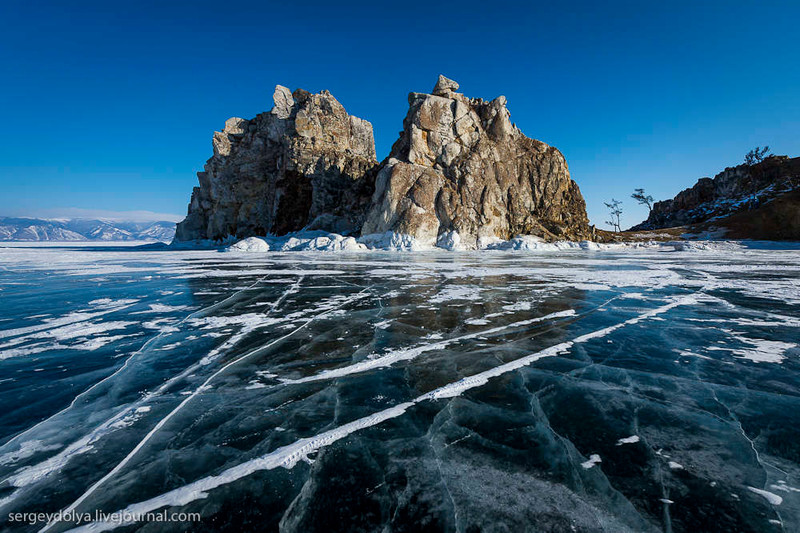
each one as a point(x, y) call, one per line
point(650, 388)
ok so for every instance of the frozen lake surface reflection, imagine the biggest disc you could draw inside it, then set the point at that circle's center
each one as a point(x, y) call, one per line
point(622, 389)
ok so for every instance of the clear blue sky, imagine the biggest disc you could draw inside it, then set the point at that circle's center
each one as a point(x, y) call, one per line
point(111, 105)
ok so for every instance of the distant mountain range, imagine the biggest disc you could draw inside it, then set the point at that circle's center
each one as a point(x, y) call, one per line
point(79, 229)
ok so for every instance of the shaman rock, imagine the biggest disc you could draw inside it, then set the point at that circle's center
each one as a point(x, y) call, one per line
point(461, 165)
point(305, 162)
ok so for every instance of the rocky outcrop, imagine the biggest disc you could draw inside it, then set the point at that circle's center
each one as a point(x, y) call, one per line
point(306, 163)
point(741, 191)
point(461, 170)
point(461, 175)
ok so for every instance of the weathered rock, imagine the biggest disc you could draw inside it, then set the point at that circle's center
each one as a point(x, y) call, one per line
point(444, 86)
point(739, 189)
point(284, 102)
point(305, 161)
point(461, 173)
point(461, 165)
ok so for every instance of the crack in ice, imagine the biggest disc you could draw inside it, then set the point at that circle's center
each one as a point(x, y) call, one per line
point(288, 456)
point(199, 390)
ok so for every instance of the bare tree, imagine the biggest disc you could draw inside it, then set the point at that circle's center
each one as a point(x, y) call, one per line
point(615, 210)
point(639, 196)
point(756, 155)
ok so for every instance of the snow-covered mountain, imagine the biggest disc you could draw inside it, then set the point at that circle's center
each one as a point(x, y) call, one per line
point(38, 229)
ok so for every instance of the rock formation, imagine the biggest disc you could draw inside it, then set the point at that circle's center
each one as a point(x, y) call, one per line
point(760, 193)
point(461, 174)
point(461, 166)
point(306, 163)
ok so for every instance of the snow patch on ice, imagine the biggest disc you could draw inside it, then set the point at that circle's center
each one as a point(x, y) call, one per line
point(26, 449)
point(782, 486)
point(131, 418)
point(393, 242)
point(250, 244)
point(771, 497)
point(689, 353)
point(249, 320)
point(521, 242)
point(519, 306)
point(106, 305)
point(593, 460)
point(96, 343)
point(164, 308)
point(54, 339)
point(528, 243)
point(457, 292)
point(163, 325)
point(758, 350)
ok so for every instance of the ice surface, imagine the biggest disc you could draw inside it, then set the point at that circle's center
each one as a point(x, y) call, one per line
point(533, 385)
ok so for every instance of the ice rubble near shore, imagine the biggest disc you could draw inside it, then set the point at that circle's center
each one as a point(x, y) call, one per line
point(320, 241)
point(308, 241)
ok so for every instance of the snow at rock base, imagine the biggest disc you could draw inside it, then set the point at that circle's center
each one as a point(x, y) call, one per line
point(320, 241)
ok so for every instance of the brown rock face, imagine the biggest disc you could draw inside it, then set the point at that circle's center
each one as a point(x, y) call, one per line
point(742, 189)
point(306, 162)
point(460, 165)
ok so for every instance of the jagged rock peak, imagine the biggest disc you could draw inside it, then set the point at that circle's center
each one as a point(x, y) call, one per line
point(305, 161)
point(460, 172)
point(283, 102)
point(445, 86)
point(461, 166)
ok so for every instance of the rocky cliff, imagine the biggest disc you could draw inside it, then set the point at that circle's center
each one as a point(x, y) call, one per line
point(461, 170)
point(737, 194)
point(305, 163)
point(461, 175)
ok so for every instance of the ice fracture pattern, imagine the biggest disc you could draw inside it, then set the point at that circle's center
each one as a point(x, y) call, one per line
point(647, 388)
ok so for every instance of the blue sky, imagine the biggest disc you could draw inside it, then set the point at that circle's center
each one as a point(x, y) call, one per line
point(111, 105)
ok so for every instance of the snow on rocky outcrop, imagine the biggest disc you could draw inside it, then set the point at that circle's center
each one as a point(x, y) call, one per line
point(760, 201)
